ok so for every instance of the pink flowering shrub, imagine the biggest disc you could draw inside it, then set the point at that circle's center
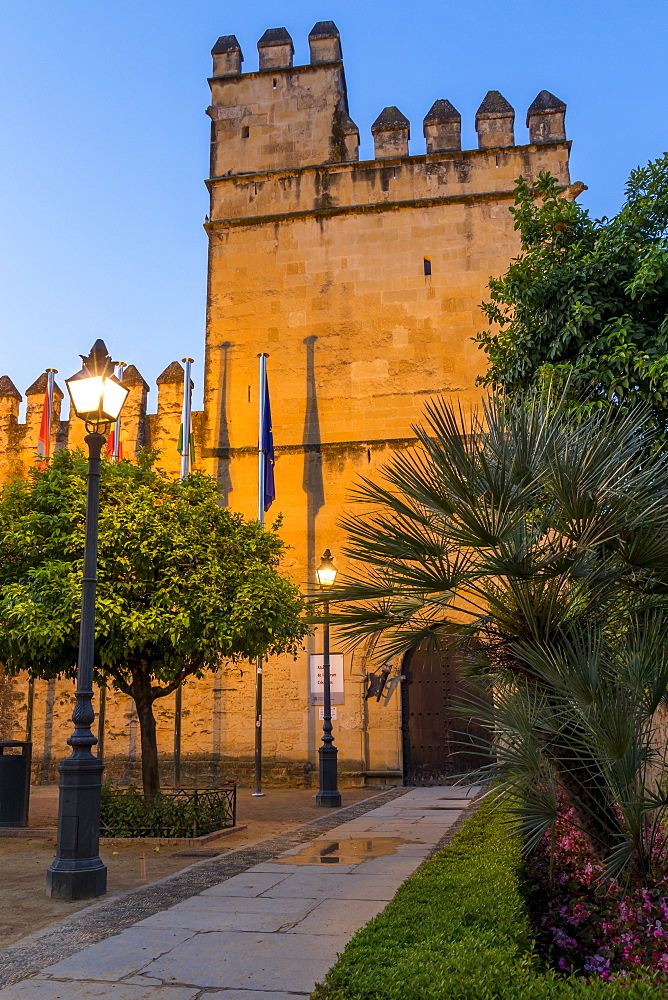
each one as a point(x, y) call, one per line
point(594, 926)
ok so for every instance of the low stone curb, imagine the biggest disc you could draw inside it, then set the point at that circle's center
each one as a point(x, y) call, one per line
point(102, 920)
point(206, 838)
point(32, 833)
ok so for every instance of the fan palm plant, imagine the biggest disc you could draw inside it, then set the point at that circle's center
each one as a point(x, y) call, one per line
point(544, 534)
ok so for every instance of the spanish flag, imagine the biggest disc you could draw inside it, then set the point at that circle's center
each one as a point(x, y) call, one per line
point(115, 453)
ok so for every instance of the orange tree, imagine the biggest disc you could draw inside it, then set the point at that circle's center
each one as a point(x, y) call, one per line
point(183, 583)
point(587, 299)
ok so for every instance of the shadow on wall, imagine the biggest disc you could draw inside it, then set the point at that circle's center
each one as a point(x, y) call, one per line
point(312, 482)
point(223, 469)
point(313, 486)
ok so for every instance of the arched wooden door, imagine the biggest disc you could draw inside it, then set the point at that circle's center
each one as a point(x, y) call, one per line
point(437, 742)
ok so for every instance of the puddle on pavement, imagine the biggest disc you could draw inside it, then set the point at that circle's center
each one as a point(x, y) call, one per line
point(344, 852)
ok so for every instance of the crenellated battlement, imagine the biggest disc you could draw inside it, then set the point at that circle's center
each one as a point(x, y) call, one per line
point(283, 116)
point(139, 429)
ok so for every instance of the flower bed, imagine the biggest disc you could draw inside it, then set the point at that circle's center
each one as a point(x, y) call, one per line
point(593, 926)
point(186, 812)
point(459, 929)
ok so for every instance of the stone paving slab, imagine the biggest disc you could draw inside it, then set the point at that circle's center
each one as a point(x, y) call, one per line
point(401, 866)
point(338, 916)
point(251, 883)
point(270, 931)
point(120, 955)
point(213, 914)
point(237, 960)
point(307, 884)
point(272, 866)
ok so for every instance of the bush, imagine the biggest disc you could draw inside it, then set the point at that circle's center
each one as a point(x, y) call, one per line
point(183, 813)
point(459, 930)
point(591, 923)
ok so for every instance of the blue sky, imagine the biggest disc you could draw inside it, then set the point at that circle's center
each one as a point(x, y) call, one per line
point(105, 141)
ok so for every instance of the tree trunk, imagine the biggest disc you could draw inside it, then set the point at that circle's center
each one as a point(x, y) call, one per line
point(150, 772)
point(595, 812)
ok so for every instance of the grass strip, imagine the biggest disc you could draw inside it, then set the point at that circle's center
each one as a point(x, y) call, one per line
point(458, 930)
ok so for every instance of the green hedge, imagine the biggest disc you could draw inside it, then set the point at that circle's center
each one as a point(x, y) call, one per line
point(458, 930)
point(124, 812)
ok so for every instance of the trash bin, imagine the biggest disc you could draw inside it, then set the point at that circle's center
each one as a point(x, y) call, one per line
point(15, 760)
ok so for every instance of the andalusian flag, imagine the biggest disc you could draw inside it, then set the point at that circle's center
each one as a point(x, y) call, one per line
point(191, 440)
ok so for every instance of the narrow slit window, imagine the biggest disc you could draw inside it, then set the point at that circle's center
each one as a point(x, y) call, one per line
point(274, 83)
point(245, 132)
point(427, 266)
point(368, 454)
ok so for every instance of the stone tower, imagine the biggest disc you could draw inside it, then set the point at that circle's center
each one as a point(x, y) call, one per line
point(362, 280)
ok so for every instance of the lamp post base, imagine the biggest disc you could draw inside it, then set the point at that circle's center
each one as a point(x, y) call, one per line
point(77, 871)
point(329, 799)
point(76, 883)
point(328, 794)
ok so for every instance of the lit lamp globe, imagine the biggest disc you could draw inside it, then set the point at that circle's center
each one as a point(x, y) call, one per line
point(97, 395)
point(326, 571)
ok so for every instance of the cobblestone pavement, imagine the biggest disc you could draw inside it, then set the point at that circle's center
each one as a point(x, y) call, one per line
point(244, 926)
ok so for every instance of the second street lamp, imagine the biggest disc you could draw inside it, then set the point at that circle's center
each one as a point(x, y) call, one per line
point(328, 793)
point(77, 871)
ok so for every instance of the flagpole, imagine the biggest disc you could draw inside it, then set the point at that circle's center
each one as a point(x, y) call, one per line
point(116, 451)
point(261, 460)
point(186, 418)
point(45, 443)
point(50, 376)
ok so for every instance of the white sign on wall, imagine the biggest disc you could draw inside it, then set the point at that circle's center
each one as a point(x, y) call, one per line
point(321, 713)
point(335, 678)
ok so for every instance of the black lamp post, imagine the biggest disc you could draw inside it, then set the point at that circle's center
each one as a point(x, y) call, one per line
point(77, 871)
point(328, 794)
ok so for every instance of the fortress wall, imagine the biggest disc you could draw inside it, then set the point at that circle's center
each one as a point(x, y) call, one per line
point(140, 429)
point(362, 280)
point(368, 186)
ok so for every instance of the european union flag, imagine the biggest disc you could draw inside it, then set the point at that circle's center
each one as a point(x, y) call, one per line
point(268, 450)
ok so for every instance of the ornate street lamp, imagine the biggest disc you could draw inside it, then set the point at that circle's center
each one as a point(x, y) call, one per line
point(77, 871)
point(328, 794)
